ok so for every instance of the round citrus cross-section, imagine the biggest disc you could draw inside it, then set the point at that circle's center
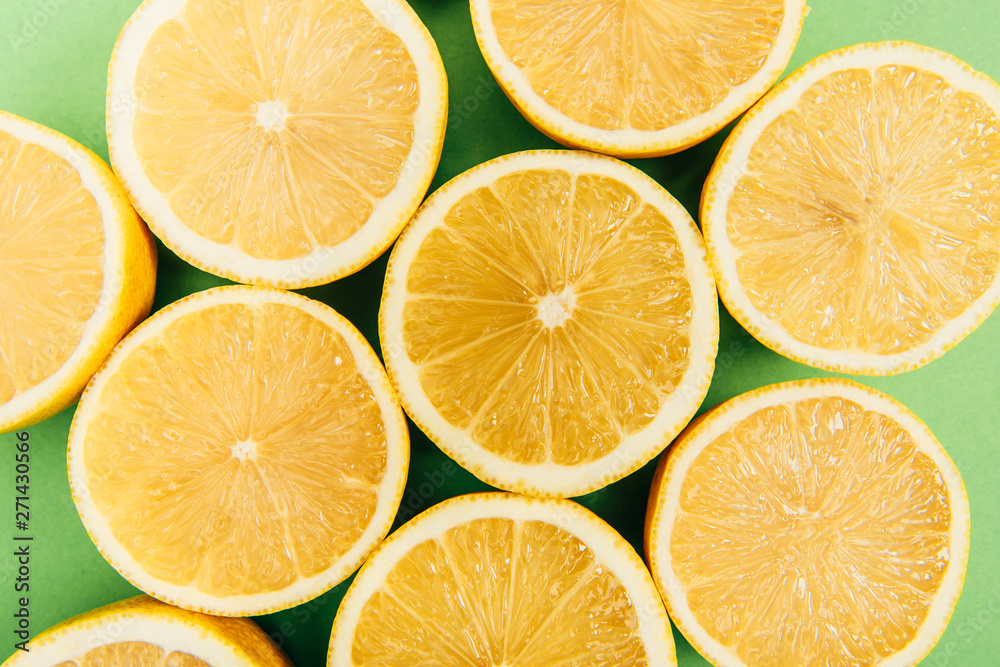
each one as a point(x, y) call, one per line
point(549, 319)
point(275, 143)
point(241, 452)
point(810, 522)
point(853, 215)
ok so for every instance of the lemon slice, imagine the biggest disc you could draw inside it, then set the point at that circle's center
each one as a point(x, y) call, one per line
point(77, 269)
point(141, 632)
point(853, 216)
point(635, 78)
point(815, 522)
point(550, 321)
point(501, 579)
point(276, 143)
point(240, 453)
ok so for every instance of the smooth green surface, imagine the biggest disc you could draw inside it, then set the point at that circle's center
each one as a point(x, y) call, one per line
point(53, 63)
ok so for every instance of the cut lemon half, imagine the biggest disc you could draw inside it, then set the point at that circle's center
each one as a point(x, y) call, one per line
point(240, 453)
point(276, 143)
point(141, 632)
point(816, 522)
point(635, 78)
point(77, 269)
point(549, 319)
point(853, 215)
point(501, 579)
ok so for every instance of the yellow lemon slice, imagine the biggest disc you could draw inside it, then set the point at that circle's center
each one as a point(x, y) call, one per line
point(635, 78)
point(241, 452)
point(816, 522)
point(141, 632)
point(501, 579)
point(276, 143)
point(550, 321)
point(77, 269)
point(853, 216)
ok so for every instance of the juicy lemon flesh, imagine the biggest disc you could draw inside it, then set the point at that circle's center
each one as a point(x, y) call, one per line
point(239, 435)
point(499, 592)
point(647, 65)
point(868, 216)
point(133, 654)
point(274, 128)
point(548, 315)
point(813, 533)
point(51, 263)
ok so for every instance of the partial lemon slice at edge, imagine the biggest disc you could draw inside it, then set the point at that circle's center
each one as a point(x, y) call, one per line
point(144, 631)
point(610, 20)
point(538, 568)
point(114, 291)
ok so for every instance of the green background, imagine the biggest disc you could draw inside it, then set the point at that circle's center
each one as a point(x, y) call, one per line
point(53, 62)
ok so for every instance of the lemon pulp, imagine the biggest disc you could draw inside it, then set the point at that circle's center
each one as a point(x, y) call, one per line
point(810, 532)
point(548, 315)
point(134, 654)
point(51, 272)
point(499, 592)
point(241, 434)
